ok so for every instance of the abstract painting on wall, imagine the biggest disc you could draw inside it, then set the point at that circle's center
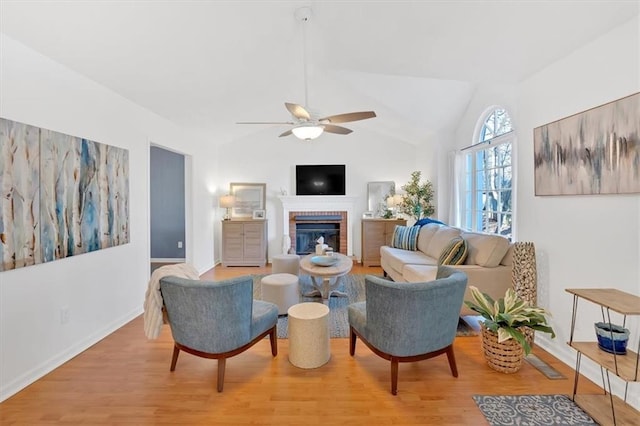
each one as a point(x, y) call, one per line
point(61, 195)
point(593, 152)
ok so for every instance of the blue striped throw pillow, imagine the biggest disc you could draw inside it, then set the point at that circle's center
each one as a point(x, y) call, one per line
point(405, 237)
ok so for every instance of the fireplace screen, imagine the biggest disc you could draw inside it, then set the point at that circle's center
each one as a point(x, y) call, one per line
point(308, 233)
point(305, 228)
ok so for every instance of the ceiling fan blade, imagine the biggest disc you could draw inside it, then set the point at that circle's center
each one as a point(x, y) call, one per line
point(265, 122)
point(298, 111)
point(287, 133)
point(351, 116)
point(330, 128)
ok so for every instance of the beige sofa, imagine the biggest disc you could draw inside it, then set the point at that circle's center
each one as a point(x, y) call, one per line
point(488, 264)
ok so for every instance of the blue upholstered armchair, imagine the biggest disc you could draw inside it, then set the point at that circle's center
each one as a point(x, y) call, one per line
point(217, 319)
point(406, 322)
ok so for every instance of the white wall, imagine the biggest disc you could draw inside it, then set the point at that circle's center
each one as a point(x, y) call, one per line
point(264, 157)
point(202, 206)
point(104, 289)
point(583, 241)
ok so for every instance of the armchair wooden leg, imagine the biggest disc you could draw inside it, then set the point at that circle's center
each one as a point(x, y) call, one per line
point(394, 376)
point(221, 365)
point(352, 342)
point(273, 337)
point(452, 361)
point(174, 359)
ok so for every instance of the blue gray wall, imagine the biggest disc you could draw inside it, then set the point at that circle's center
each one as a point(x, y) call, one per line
point(167, 204)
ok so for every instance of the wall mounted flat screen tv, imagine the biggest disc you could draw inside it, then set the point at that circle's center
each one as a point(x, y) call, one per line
point(315, 179)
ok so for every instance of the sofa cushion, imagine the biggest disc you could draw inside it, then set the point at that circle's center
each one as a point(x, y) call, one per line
point(455, 253)
point(405, 237)
point(507, 260)
point(485, 249)
point(440, 240)
point(397, 258)
point(420, 273)
point(426, 234)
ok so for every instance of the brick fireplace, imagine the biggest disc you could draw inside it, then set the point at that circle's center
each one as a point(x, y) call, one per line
point(330, 205)
point(335, 222)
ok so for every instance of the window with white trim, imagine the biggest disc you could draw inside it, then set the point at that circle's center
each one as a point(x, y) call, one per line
point(488, 176)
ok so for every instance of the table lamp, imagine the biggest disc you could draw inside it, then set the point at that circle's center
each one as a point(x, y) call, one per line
point(227, 202)
point(393, 203)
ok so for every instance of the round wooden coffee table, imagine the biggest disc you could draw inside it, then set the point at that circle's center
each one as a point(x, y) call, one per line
point(321, 276)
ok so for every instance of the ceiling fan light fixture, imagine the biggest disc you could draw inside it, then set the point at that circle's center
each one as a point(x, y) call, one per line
point(306, 125)
point(308, 132)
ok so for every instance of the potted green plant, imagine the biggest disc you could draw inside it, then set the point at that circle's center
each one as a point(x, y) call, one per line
point(505, 322)
point(417, 200)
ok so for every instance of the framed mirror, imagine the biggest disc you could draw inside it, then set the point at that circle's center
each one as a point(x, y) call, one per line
point(377, 193)
point(248, 198)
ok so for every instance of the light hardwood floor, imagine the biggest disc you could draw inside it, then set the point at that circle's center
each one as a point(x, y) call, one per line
point(125, 379)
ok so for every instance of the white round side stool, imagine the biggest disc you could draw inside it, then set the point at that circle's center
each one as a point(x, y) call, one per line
point(309, 335)
point(289, 263)
point(282, 290)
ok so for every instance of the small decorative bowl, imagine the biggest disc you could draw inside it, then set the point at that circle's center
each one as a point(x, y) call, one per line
point(324, 260)
point(612, 338)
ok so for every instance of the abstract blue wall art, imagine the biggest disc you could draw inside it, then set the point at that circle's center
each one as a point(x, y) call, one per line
point(61, 195)
point(594, 152)
point(20, 195)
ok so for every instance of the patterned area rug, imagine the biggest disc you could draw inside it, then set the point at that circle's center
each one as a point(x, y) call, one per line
point(532, 410)
point(353, 285)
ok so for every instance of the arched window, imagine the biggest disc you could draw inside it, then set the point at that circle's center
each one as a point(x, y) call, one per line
point(487, 201)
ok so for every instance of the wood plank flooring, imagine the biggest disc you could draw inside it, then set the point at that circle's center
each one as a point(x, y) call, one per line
point(125, 379)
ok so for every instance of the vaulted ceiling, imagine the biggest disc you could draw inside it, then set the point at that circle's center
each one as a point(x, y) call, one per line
point(208, 64)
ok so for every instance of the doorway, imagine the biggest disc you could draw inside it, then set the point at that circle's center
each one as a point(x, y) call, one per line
point(167, 213)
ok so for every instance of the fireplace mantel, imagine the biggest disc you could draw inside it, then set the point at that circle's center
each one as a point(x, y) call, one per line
point(307, 203)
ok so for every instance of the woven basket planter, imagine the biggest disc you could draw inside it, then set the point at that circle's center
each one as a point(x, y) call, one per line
point(505, 357)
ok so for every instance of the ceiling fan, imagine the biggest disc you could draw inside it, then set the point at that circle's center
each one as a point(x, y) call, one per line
point(305, 125)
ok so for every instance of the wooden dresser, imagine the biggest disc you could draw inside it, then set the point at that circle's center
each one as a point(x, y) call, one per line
point(377, 233)
point(244, 242)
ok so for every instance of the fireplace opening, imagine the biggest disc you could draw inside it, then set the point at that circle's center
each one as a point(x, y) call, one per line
point(307, 235)
point(305, 227)
point(309, 228)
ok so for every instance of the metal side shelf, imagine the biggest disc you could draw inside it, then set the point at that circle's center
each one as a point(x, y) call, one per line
point(606, 408)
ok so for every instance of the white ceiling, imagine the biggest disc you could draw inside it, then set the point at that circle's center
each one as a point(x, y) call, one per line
point(208, 64)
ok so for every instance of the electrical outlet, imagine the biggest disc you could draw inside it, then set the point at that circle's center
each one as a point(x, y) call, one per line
point(64, 315)
point(179, 244)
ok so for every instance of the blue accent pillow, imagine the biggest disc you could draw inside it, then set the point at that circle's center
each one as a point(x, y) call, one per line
point(405, 237)
point(427, 220)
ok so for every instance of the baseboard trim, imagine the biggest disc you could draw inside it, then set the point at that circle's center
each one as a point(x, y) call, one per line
point(167, 260)
point(15, 386)
point(206, 268)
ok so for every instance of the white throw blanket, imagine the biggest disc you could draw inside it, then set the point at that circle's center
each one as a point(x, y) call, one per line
point(153, 302)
